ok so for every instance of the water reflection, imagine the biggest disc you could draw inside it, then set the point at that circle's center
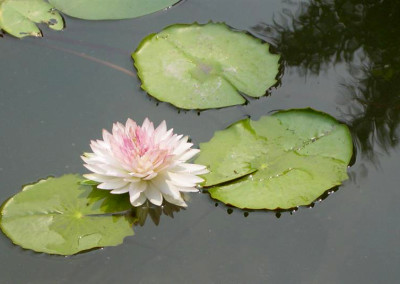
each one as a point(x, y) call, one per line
point(154, 212)
point(363, 34)
point(119, 204)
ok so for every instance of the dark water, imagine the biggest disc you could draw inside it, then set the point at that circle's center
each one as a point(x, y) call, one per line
point(341, 57)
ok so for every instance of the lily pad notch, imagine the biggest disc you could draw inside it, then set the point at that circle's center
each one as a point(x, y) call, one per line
point(202, 66)
point(282, 161)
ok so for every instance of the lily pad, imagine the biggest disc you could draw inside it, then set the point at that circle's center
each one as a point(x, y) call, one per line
point(280, 161)
point(205, 66)
point(61, 216)
point(110, 9)
point(19, 17)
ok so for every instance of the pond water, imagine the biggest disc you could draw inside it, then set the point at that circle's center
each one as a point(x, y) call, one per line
point(341, 57)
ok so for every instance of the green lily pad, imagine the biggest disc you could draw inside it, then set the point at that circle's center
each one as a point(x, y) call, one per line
point(205, 66)
point(61, 216)
point(280, 161)
point(110, 9)
point(19, 17)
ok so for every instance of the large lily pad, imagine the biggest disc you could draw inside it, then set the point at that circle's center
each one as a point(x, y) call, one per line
point(205, 66)
point(280, 161)
point(19, 17)
point(61, 216)
point(110, 9)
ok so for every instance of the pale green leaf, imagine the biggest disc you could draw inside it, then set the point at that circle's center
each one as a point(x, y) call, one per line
point(61, 216)
point(205, 66)
point(110, 9)
point(19, 17)
point(280, 161)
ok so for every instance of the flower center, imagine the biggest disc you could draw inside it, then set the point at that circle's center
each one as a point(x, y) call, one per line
point(140, 153)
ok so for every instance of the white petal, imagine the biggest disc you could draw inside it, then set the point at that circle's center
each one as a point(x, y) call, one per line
point(185, 180)
point(187, 189)
point(136, 194)
point(115, 184)
point(107, 137)
point(133, 195)
point(154, 195)
point(118, 129)
point(189, 154)
point(138, 187)
point(151, 176)
point(132, 179)
point(98, 178)
point(180, 189)
point(148, 126)
point(107, 170)
point(139, 201)
point(182, 146)
point(190, 168)
point(111, 171)
point(138, 175)
point(177, 201)
point(165, 187)
point(95, 168)
point(171, 141)
point(167, 135)
point(160, 131)
point(121, 190)
point(130, 124)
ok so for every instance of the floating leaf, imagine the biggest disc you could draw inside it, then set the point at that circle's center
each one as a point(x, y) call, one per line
point(280, 161)
point(205, 66)
point(61, 216)
point(110, 9)
point(18, 17)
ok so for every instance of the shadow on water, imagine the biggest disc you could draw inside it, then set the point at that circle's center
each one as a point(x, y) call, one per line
point(362, 34)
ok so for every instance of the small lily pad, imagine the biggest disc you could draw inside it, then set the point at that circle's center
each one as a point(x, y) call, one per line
point(19, 17)
point(61, 216)
point(205, 66)
point(110, 9)
point(280, 161)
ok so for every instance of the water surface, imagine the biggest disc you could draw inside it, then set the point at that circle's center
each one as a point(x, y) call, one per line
point(340, 57)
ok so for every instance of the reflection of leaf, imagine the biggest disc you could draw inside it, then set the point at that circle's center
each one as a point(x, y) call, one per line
point(110, 9)
point(60, 216)
point(18, 17)
point(205, 66)
point(281, 161)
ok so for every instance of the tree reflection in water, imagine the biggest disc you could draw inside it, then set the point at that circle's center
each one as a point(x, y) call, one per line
point(365, 34)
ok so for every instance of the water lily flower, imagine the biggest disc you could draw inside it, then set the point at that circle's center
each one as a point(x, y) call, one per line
point(148, 163)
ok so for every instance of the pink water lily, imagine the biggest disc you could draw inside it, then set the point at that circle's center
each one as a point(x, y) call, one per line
point(147, 163)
